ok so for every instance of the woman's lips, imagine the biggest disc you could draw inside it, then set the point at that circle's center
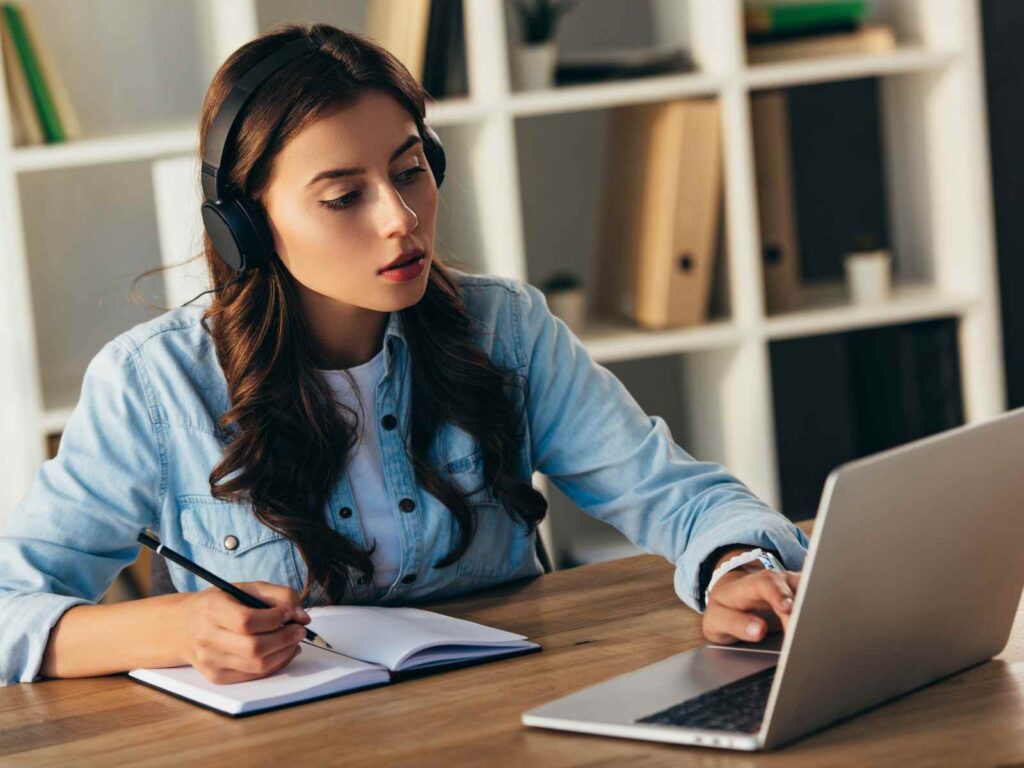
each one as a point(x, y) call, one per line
point(417, 254)
point(405, 273)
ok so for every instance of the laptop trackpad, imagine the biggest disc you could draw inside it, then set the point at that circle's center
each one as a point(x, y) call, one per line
point(625, 698)
point(771, 642)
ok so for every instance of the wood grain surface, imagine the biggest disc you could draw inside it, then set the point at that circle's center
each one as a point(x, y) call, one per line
point(593, 622)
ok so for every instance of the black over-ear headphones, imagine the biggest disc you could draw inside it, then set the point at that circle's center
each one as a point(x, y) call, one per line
point(235, 223)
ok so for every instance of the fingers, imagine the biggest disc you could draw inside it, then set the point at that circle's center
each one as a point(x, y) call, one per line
point(226, 668)
point(229, 613)
point(750, 606)
point(763, 589)
point(727, 625)
point(259, 645)
point(231, 642)
point(263, 665)
point(274, 594)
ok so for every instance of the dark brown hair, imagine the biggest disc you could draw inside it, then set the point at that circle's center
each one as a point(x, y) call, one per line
point(289, 440)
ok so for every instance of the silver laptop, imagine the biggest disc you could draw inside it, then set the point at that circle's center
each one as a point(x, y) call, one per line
point(914, 572)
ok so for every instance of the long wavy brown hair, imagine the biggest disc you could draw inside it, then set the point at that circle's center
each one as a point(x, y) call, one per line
point(289, 438)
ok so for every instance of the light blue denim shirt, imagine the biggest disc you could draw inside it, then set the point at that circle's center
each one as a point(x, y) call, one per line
point(138, 449)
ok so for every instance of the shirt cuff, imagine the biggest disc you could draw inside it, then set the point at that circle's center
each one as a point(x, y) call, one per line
point(25, 624)
point(775, 533)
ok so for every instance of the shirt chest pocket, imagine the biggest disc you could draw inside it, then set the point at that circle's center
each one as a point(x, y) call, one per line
point(226, 538)
point(500, 543)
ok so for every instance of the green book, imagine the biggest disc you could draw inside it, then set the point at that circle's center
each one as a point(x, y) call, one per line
point(52, 127)
point(782, 18)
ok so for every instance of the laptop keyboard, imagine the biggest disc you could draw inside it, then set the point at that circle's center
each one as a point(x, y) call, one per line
point(738, 706)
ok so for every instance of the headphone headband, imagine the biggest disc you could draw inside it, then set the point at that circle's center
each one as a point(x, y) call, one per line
point(224, 127)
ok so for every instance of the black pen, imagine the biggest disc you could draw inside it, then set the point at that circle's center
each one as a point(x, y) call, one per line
point(243, 597)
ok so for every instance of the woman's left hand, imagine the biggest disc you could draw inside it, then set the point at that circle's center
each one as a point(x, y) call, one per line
point(748, 602)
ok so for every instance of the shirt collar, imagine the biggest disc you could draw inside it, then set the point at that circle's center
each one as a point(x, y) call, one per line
point(395, 329)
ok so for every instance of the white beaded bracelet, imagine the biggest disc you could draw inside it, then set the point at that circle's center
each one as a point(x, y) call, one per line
point(768, 560)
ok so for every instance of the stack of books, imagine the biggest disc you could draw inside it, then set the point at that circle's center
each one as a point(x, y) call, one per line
point(41, 112)
point(779, 30)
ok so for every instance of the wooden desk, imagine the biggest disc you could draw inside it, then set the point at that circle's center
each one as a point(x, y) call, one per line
point(594, 622)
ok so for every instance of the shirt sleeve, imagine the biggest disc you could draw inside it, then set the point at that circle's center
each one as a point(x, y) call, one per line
point(76, 528)
point(620, 465)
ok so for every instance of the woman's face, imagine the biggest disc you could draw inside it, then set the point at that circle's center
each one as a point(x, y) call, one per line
point(346, 196)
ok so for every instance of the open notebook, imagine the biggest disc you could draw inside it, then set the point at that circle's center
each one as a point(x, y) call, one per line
point(373, 645)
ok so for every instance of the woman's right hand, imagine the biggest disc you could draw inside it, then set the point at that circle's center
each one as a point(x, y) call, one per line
point(228, 642)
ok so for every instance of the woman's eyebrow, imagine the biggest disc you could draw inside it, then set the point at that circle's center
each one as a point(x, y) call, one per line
point(333, 173)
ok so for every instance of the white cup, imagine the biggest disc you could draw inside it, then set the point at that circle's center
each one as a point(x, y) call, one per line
point(869, 276)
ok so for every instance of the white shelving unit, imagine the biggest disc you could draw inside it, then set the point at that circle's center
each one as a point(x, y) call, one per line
point(521, 199)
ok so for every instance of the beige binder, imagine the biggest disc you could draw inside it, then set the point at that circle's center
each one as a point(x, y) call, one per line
point(660, 213)
point(401, 26)
point(776, 208)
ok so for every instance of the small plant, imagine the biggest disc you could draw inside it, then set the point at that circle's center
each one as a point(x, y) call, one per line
point(540, 17)
point(561, 281)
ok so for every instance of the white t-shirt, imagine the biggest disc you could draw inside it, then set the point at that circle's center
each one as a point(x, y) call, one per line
point(365, 468)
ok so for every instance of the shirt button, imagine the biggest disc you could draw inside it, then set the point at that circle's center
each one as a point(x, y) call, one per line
point(389, 422)
point(345, 512)
point(230, 542)
point(409, 579)
point(407, 505)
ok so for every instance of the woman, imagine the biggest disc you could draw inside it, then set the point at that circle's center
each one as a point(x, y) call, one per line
point(330, 430)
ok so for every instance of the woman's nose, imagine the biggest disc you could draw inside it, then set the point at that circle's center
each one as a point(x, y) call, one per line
point(398, 217)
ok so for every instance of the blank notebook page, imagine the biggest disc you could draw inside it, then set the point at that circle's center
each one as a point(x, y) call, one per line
point(396, 637)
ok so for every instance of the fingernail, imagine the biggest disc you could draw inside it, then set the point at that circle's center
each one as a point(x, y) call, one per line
point(300, 614)
point(752, 628)
point(787, 603)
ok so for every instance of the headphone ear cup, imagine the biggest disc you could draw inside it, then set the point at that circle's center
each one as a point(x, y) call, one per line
point(238, 231)
point(435, 153)
point(259, 242)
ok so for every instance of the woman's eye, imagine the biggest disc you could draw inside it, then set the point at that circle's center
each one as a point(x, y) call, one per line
point(345, 201)
point(413, 171)
point(340, 202)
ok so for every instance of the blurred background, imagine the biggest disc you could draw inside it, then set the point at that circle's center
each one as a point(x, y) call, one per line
point(790, 228)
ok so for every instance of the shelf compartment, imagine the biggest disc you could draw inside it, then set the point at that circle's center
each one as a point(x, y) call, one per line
point(920, 43)
point(151, 58)
point(566, 157)
point(81, 272)
point(860, 132)
point(600, 26)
